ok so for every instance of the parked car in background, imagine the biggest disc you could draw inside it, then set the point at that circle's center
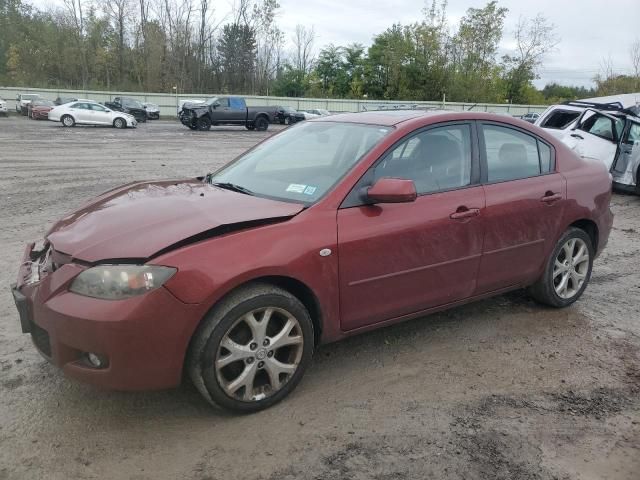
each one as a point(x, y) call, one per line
point(235, 278)
point(90, 113)
point(153, 110)
point(612, 136)
point(321, 112)
point(63, 100)
point(193, 101)
point(128, 105)
point(288, 115)
point(39, 109)
point(23, 100)
point(308, 115)
point(530, 117)
point(226, 111)
point(4, 110)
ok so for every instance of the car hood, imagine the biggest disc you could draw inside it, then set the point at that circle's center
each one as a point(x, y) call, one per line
point(194, 106)
point(139, 220)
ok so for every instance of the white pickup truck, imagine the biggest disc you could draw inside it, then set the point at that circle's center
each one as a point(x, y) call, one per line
point(3, 107)
point(23, 100)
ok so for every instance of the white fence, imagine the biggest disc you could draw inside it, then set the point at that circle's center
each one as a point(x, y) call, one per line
point(168, 102)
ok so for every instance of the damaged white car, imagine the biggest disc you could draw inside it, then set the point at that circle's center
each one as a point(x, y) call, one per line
point(610, 134)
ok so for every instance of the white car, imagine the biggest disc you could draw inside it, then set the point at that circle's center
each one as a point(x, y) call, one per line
point(321, 112)
point(308, 115)
point(90, 113)
point(3, 107)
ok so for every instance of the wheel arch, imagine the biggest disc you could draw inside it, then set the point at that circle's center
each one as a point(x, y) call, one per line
point(297, 288)
point(590, 228)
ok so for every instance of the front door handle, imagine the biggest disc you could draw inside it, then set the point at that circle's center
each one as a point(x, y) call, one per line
point(575, 135)
point(463, 212)
point(551, 197)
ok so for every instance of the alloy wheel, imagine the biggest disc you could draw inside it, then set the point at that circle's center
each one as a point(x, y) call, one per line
point(259, 354)
point(570, 268)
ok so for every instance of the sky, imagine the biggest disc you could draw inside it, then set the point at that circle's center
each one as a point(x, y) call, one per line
point(590, 31)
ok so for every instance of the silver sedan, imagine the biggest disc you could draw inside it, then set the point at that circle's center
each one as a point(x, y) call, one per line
point(90, 113)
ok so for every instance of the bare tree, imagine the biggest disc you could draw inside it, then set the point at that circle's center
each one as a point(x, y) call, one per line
point(303, 41)
point(634, 51)
point(74, 9)
point(534, 39)
point(118, 12)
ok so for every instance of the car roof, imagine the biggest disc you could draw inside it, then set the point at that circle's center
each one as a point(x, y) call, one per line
point(396, 117)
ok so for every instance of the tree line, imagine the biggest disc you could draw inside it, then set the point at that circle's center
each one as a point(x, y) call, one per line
point(156, 45)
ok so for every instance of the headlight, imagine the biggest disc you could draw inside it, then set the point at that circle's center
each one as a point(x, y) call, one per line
point(115, 282)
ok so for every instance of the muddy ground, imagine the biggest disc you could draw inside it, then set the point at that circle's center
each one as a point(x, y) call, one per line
point(503, 388)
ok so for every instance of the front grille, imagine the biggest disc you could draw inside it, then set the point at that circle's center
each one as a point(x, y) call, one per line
point(41, 339)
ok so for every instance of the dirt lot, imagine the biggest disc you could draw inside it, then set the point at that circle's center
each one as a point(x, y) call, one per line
point(503, 388)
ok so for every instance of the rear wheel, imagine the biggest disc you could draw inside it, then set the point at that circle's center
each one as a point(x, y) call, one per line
point(68, 121)
point(261, 124)
point(203, 124)
point(568, 270)
point(120, 123)
point(252, 349)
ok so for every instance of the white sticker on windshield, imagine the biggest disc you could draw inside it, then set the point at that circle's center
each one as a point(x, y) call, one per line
point(296, 188)
point(310, 190)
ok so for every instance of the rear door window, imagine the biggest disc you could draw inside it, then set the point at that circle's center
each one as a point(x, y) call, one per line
point(511, 154)
point(236, 103)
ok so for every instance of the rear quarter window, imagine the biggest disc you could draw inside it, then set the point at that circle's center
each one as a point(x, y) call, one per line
point(559, 119)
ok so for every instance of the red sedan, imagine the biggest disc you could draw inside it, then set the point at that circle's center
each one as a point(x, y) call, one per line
point(39, 109)
point(330, 228)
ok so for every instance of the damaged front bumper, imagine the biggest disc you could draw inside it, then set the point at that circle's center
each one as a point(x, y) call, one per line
point(142, 339)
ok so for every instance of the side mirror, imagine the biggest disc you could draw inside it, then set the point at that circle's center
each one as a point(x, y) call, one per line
point(392, 190)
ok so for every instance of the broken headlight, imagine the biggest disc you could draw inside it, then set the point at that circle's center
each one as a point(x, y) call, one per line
point(115, 282)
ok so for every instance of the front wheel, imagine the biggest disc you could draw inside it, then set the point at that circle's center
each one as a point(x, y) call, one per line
point(68, 121)
point(120, 123)
point(261, 124)
point(203, 124)
point(252, 349)
point(568, 270)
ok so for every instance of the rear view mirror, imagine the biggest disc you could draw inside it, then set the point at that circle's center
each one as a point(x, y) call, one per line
point(392, 190)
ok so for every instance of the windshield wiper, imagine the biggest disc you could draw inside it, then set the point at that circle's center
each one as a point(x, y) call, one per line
point(232, 186)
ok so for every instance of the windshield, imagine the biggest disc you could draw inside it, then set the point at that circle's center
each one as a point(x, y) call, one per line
point(302, 163)
point(30, 97)
point(211, 101)
point(42, 103)
point(151, 105)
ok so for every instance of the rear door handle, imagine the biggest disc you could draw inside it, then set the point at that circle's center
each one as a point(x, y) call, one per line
point(551, 197)
point(464, 212)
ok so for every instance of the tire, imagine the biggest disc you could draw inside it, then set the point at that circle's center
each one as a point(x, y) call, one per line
point(261, 124)
point(567, 271)
point(191, 127)
point(227, 321)
point(68, 121)
point(203, 124)
point(120, 123)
